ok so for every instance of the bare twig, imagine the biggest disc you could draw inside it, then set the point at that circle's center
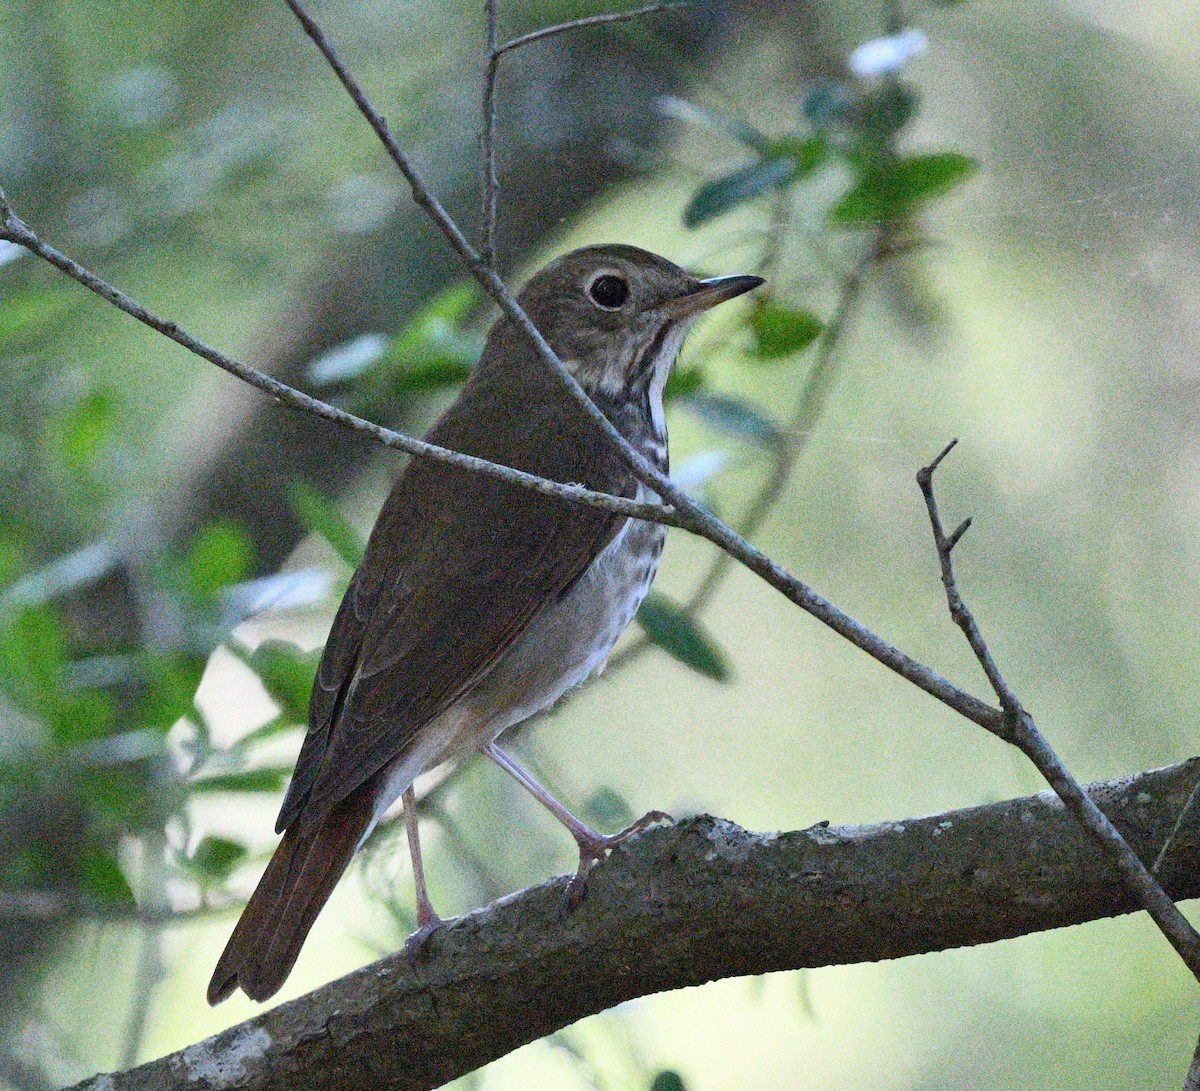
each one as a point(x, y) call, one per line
point(589, 21)
point(794, 436)
point(491, 183)
point(491, 75)
point(1025, 735)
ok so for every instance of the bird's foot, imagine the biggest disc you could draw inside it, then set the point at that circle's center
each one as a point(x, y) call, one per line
point(427, 924)
point(595, 847)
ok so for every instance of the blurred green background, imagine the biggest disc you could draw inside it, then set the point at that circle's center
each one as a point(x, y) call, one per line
point(160, 521)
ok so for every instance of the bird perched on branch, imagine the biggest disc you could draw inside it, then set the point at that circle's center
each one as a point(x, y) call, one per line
point(479, 603)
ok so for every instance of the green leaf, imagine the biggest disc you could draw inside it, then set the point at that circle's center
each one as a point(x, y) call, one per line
point(684, 381)
point(11, 560)
point(433, 350)
point(781, 331)
point(275, 726)
point(785, 160)
point(734, 418)
point(435, 369)
point(682, 637)
point(607, 808)
point(716, 198)
point(122, 797)
point(220, 555)
point(78, 717)
point(893, 190)
point(172, 679)
point(322, 516)
point(668, 1081)
point(287, 673)
point(826, 103)
point(883, 113)
point(31, 658)
point(28, 315)
point(216, 858)
point(266, 779)
point(81, 433)
point(806, 152)
point(102, 878)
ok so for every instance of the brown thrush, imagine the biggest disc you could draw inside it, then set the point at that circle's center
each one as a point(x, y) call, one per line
point(478, 603)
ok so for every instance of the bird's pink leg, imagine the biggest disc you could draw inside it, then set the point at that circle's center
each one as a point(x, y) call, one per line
point(593, 846)
point(428, 921)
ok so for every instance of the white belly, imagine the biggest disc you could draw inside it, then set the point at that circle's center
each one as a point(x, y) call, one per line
point(567, 642)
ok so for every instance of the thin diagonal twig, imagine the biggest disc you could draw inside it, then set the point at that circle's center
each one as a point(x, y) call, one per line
point(692, 516)
point(1184, 813)
point(589, 21)
point(14, 230)
point(795, 590)
point(1026, 736)
point(794, 436)
point(491, 181)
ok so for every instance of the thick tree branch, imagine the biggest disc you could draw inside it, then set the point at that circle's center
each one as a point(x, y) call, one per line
point(687, 904)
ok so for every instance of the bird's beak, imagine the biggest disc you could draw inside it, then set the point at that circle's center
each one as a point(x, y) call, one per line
point(708, 293)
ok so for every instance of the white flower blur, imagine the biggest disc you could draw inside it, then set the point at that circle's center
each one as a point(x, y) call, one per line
point(886, 56)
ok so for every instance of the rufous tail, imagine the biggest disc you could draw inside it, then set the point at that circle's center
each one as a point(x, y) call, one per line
point(296, 885)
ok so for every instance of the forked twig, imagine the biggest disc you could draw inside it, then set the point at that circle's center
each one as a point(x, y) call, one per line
point(1023, 733)
point(491, 74)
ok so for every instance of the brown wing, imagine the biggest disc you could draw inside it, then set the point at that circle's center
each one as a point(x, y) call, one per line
point(456, 567)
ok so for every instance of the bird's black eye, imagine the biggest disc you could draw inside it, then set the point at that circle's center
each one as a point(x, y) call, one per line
point(609, 291)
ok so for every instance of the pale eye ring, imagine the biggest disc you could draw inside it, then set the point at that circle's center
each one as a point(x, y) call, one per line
point(609, 291)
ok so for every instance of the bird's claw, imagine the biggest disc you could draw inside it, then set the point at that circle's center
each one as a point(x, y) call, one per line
point(415, 944)
point(594, 850)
